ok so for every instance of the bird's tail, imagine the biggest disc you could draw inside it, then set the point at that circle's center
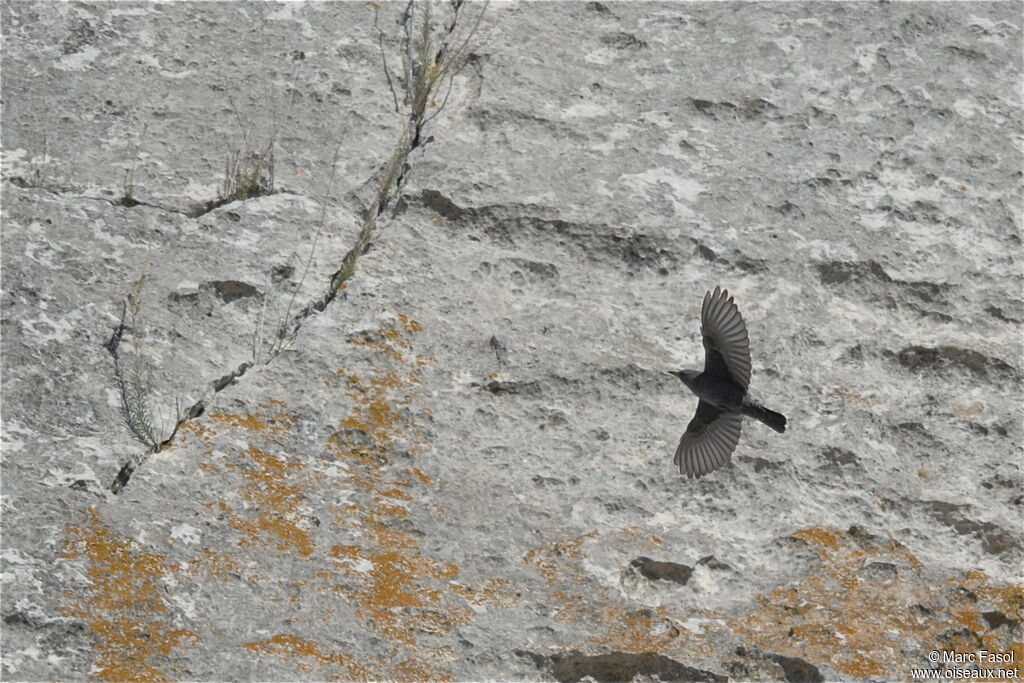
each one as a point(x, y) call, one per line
point(776, 421)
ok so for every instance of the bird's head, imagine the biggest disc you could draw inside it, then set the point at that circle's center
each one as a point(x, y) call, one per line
point(687, 376)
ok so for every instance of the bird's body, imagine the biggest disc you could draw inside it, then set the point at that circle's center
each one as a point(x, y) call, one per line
point(721, 388)
point(720, 392)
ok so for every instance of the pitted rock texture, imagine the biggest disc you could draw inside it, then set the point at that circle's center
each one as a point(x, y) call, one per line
point(460, 466)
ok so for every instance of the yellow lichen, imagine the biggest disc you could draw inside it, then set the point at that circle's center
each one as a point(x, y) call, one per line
point(277, 504)
point(400, 592)
point(842, 617)
point(548, 558)
point(495, 591)
point(397, 591)
point(275, 424)
point(309, 653)
point(837, 614)
point(641, 630)
point(123, 604)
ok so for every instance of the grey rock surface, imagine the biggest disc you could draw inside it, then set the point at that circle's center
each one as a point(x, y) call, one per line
point(458, 464)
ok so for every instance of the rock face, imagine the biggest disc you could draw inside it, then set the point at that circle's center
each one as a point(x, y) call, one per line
point(391, 376)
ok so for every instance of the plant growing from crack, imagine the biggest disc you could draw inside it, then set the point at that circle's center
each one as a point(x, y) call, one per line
point(248, 169)
point(35, 175)
point(135, 386)
point(431, 55)
point(128, 194)
point(249, 173)
point(128, 199)
point(134, 382)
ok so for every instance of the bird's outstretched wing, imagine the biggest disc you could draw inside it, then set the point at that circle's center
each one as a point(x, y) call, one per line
point(726, 344)
point(708, 441)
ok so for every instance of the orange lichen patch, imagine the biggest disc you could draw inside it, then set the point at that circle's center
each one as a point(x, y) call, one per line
point(643, 630)
point(422, 668)
point(855, 612)
point(391, 339)
point(550, 556)
point(641, 535)
point(277, 501)
point(198, 430)
point(273, 425)
point(379, 418)
point(397, 579)
point(499, 592)
point(968, 617)
point(217, 564)
point(1017, 649)
point(375, 412)
point(389, 510)
point(291, 646)
point(828, 538)
point(399, 593)
point(416, 472)
point(272, 403)
point(409, 324)
point(250, 422)
point(399, 568)
point(626, 627)
point(343, 445)
point(1008, 598)
point(377, 423)
point(385, 536)
point(396, 493)
point(123, 603)
point(849, 618)
point(571, 606)
point(495, 591)
point(617, 626)
point(346, 552)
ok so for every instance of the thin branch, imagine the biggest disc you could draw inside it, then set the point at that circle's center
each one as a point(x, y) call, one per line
point(452, 59)
point(241, 124)
point(456, 55)
point(407, 23)
point(282, 331)
point(451, 79)
point(383, 57)
point(257, 332)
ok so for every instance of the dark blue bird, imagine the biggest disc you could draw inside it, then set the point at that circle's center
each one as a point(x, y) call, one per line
point(714, 431)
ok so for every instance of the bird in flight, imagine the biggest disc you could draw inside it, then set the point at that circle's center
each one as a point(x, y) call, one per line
point(714, 431)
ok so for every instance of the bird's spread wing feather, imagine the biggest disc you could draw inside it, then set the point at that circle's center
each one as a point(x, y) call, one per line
point(708, 441)
point(726, 344)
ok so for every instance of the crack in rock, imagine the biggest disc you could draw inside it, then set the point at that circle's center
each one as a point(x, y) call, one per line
point(392, 174)
point(616, 667)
